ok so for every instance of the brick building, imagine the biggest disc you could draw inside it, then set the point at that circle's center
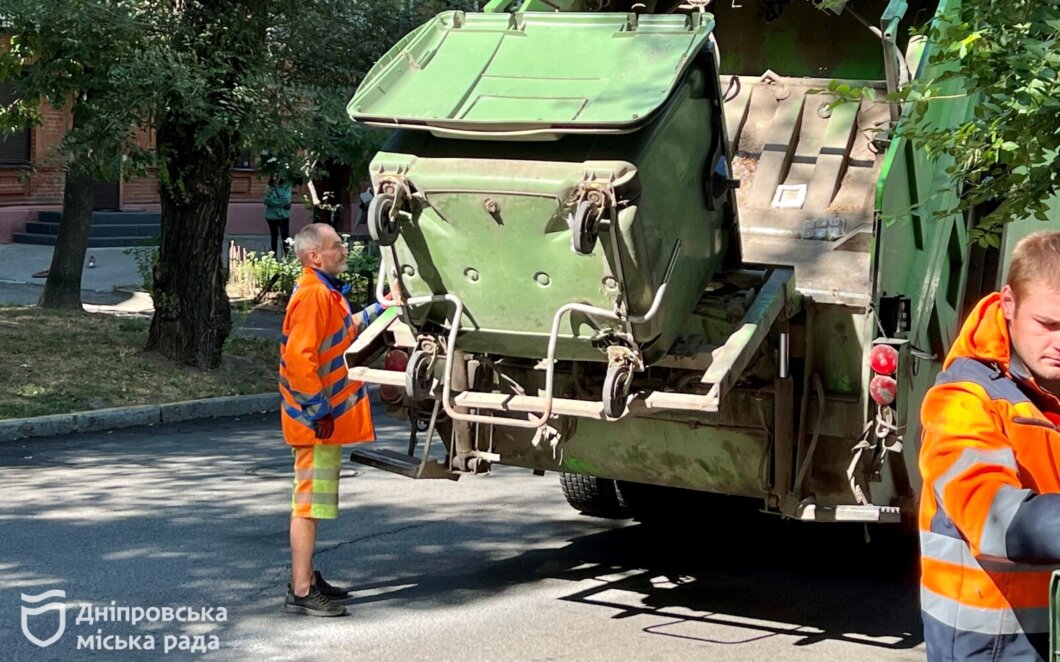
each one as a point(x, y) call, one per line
point(26, 192)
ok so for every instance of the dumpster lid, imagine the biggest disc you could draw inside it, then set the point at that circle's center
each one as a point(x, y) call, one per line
point(531, 75)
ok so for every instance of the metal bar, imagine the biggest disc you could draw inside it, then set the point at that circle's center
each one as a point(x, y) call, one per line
point(376, 329)
point(735, 355)
point(530, 403)
point(430, 439)
point(680, 402)
point(652, 401)
point(376, 376)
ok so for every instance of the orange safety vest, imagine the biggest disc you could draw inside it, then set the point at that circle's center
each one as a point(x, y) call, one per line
point(318, 329)
point(990, 507)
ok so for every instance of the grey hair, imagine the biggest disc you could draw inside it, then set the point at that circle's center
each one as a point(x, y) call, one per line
point(307, 239)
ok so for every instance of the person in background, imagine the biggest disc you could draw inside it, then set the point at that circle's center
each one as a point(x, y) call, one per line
point(278, 213)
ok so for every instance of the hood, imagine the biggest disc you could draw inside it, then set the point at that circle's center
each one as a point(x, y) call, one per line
point(984, 336)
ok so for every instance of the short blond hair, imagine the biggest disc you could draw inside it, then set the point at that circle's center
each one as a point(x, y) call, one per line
point(1036, 259)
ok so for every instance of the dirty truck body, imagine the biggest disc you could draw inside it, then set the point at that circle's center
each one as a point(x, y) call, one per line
point(640, 245)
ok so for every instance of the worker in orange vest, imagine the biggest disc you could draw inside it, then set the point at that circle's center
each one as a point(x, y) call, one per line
point(322, 409)
point(990, 507)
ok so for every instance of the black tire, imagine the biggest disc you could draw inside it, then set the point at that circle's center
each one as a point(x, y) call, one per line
point(586, 229)
point(592, 496)
point(383, 230)
point(417, 379)
point(616, 390)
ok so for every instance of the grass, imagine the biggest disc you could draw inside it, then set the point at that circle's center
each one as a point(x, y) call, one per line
point(53, 363)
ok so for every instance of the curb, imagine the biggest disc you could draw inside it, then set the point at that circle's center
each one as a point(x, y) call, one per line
point(124, 417)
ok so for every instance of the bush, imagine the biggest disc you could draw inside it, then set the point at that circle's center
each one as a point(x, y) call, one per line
point(251, 274)
point(146, 258)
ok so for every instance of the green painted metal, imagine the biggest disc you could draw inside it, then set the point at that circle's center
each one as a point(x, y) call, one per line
point(513, 267)
point(535, 72)
point(724, 460)
point(1054, 617)
point(623, 100)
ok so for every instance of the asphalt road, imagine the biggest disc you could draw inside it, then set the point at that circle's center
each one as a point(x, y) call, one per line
point(488, 568)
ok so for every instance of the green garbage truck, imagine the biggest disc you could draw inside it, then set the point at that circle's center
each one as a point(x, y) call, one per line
point(637, 244)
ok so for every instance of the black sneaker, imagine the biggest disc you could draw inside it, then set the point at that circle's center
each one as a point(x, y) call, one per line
point(327, 589)
point(314, 603)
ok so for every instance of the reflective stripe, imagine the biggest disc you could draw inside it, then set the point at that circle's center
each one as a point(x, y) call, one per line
point(981, 620)
point(321, 498)
point(341, 408)
point(991, 379)
point(316, 474)
point(956, 551)
point(944, 548)
point(297, 416)
point(336, 388)
point(969, 458)
point(1007, 501)
point(335, 364)
point(333, 340)
point(302, 398)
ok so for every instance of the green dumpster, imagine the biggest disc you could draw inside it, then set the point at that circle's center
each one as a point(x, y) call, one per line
point(562, 176)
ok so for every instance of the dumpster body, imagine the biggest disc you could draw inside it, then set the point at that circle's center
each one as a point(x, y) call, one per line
point(642, 248)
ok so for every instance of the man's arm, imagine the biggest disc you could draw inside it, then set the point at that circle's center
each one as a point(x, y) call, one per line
point(274, 197)
point(302, 359)
point(969, 464)
point(368, 315)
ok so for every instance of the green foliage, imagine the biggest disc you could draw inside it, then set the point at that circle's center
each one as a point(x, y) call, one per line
point(1006, 58)
point(275, 77)
point(146, 258)
point(78, 50)
point(254, 273)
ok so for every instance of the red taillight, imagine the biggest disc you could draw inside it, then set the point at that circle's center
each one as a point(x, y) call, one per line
point(883, 389)
point(396, 360)
point(884, 359)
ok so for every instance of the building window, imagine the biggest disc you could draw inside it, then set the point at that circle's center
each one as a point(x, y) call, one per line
point(245, 161)
point(14, 149)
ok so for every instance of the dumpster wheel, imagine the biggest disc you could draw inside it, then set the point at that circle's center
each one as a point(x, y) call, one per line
point(384, 230)
point(417, 376)
point(586, 227)
point(616, 389)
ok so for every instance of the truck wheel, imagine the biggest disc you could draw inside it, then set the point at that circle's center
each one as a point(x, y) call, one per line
point(383, 230)
point(586, 228)
point(592, 496)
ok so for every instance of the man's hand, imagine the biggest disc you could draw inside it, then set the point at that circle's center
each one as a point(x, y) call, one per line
point(325, 427)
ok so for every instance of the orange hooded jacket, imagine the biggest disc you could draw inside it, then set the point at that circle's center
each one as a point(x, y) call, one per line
point(990, 507)
point(318, 329)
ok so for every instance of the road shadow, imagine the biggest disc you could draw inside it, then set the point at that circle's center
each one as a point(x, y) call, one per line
point(766, 577)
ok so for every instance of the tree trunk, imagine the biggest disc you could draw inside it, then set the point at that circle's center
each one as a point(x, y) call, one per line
point(197, 147)
point(63, 287)
point(192, 314)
